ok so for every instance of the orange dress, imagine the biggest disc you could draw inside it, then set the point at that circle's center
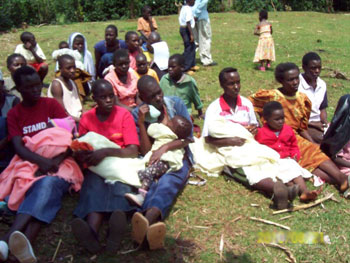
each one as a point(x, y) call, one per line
point(297, 112)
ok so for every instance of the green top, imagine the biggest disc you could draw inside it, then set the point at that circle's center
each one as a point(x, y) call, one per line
point(185, 88)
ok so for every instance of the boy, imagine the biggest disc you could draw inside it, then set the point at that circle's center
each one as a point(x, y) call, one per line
point(176, 83)
point(133, 44)
point(146, 24)
point(187, 23)
point(142, 67)
point(160, 52)
point(64, 90)
point(316, 90)
point(33, 54)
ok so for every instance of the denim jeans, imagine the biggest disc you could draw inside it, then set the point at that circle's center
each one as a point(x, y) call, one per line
point(189, 49)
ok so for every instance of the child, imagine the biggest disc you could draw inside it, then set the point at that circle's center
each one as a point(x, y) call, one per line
point(78, 42)
point(32, 52)
point(265, 52)
point(316, 90)
point(146, 24)
point(64, 90)
point(14, 62)
point(124, 82)
point(160, 51)
point(63, 49)
point(176, 128)
point(142, 67)
point(133, 44)
point(281, 138)
point(187, 23)
point(63, 44)
point(176, 83)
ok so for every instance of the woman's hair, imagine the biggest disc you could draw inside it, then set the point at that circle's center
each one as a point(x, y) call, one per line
point(282, 68)
point(263, 14)
point(310, 57)
point(114, 28)
point(180, 59)
point(120, 53)
point(182, 127)
point(12, 57)
point(23, 73)
point(271, 107)
point(224, 72)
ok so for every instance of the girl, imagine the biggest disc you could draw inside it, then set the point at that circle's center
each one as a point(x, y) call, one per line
point(14, 62)
point(265, 52)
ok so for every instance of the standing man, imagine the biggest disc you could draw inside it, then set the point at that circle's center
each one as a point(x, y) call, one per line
point(202, 31)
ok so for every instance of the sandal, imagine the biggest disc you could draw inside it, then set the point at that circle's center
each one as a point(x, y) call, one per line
point(140, 227)
point(85, 235)
point(156, 235)
point(117, 228)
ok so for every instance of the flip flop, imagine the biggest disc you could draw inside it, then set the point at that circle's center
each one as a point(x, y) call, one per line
point(85, 235)
point(117, 228)
point(156, 235)
point(140, 226)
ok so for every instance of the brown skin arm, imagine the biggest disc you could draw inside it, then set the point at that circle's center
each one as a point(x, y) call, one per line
point(190, 29)
point(341, 162)
point(29, 46)
point(305, 134)
point(224, 142)
point(143, 33)
point(177, 144)
point(323, 116)
point(150, 22)
point(145, 141)
point(256, 30)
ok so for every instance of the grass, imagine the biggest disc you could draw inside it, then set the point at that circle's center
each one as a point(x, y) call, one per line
point(202, 215)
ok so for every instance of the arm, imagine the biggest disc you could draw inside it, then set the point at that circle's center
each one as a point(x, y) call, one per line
point(145, 141)
point(256, 30)
point(190, 30)
point(341, 162)
point(150, 22)
point(29, 46)
point(323, 116)
point(199, 7)
point(143, 34)
point(271, 29)
point(174, 145)
point(224, 142)
point(305, 134)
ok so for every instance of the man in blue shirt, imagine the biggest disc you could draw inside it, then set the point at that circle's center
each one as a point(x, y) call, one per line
point(203, 31)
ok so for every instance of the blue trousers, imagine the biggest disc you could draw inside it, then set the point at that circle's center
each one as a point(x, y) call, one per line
point(163, 192)
point(189, 49)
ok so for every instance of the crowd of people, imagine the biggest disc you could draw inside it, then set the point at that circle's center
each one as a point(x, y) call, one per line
point(130, 155)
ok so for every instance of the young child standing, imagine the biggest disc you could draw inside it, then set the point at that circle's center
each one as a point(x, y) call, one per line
point(281, 138)
point(142, 67)
point(265, 52)
point(146, 24)
point(64, 90)
point(176, 128)
point(32, 52)
point(186, 20)
point(176, 83)
point(133, 43)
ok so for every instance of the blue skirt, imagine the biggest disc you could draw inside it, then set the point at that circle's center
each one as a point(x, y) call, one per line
point(98, 196)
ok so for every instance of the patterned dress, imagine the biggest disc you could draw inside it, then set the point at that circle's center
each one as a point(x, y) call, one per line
point(297, 112)
point(266, 47)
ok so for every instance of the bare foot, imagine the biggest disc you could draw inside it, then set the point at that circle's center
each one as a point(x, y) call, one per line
point(309, 196)
point(344, 186)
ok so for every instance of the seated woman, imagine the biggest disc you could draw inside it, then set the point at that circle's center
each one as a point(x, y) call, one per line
point(124, 81)
point(297, 108)
point(105, 48)
point(97, 198)
point(43, 199)
point(14, 62)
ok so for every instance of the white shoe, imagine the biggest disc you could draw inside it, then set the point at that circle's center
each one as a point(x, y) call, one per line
point(4, 251)
point(136, 199)
point(21, 248)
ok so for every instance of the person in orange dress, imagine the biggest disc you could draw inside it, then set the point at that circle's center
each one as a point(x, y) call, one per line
point(297, 108)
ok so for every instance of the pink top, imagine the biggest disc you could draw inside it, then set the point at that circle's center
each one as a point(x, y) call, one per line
point(125, 92)
point(132, 58)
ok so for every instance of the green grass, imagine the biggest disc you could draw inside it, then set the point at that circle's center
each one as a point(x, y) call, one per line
point(202, 215)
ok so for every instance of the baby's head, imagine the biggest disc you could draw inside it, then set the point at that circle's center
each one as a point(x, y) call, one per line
point(154, 37)
point(141, 64)
point(181, 126)
point(63, 44)
point(28, 37)
point(274, 115)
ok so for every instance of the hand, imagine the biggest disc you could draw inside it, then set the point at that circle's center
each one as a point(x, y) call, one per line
point(95, 157)
point(28, 45)
point(191, 38)
point(196, 19)
point(150, 19)
point(236, 141)
point(253, 129)
point(201, 116)
point(143, 110)
point(157, 154)
point(47, 166)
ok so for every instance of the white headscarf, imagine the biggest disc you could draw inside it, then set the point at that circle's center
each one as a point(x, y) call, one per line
point(88, 61)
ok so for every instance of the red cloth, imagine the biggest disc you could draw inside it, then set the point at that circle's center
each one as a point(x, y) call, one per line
point(285, 144)
point(119, 128)
point(28, 121)
point(37, 66)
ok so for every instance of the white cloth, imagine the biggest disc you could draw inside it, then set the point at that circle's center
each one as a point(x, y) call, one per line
point(71, 101)
point(163, 135)
point(243, 114)
point(28, 55)
point(88, 61)
point(315, 96)
point(66, 51)
point(202, 35)
point(161, 54)
point(186, 16)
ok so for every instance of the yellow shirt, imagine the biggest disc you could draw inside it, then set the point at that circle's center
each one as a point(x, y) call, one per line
point(150, 72)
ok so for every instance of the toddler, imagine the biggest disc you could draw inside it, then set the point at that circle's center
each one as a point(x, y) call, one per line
point(142, 67)
point(281, 138)
point(265, 52)
point(176, 128)
point(32, 52)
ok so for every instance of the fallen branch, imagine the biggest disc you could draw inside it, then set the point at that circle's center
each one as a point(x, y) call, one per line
point(306, 206)
point(221, 246)
point(269, 222)
point(57, 248)
point(285, 250)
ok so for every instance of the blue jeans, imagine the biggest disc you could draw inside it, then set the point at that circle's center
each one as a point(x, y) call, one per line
point(163, 192)
point(189, 49)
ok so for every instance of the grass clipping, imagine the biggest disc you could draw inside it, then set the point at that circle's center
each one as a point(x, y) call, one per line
point(289, 253)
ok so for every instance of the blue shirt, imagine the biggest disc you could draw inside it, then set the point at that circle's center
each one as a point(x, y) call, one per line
point(101, 46)
point(200, 11)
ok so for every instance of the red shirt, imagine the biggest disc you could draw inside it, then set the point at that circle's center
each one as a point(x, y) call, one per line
point(285, 144)
point(120, 127)
point(28, 121)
